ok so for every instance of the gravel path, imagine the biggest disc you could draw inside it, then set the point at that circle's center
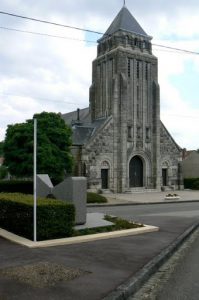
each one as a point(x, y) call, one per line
point(41, 274)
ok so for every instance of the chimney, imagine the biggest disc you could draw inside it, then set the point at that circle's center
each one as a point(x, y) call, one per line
point(78, 110)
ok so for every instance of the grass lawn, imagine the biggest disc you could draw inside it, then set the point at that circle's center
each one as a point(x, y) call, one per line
point(118, 224)
point(95, 198)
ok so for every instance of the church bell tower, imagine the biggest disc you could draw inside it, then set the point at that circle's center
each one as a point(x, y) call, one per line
point(125, 87)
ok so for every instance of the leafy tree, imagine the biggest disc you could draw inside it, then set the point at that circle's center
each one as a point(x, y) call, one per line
point(1, 148)
point(53, 147)
point(3, 172)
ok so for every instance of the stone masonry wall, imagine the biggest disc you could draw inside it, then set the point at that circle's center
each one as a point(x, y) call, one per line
point(170, 156)
point(98, 154)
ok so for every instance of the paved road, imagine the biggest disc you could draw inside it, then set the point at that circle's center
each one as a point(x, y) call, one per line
point(183, 283)
point(108, 263)
point(153, 214)
point(177, 278)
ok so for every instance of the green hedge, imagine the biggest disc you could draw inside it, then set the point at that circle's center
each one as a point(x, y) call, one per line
point(95, 198)
point(191, 183)
point(26, 187)
point(16, 186)
point(55, 218)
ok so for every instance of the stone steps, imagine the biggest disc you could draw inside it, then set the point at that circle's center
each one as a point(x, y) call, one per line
point(141, 190)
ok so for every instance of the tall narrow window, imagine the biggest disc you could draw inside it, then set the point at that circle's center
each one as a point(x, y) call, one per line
point(138, 69)
point(129, 67)
point(138, 103)
point(129, 132)
point(111, 67)
point(147, 133)
point(146, 71)
point(138, 132)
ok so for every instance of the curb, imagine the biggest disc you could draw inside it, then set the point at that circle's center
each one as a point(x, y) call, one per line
point(139, 203)
point(133, 284)
point(78, 239)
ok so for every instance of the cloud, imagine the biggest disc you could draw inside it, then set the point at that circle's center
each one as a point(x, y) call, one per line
point(49, 74)
point(177, 112)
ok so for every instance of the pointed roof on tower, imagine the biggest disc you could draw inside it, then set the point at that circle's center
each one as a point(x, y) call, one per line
point(126, 22)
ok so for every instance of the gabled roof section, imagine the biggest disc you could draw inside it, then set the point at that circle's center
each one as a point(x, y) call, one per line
point(82, 127)
point(126, 22)
point(83, 133)
point(169, 135)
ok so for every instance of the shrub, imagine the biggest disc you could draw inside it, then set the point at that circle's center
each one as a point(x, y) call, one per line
point(191, 183)
point(16, 186)
point(55, 218)
point(196, 184)
point(3, 172)
point(95, 198)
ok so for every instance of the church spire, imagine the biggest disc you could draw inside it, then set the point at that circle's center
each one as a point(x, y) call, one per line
point(126, 22)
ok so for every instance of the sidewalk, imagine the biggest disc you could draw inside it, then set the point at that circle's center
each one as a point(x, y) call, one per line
point(149, 197)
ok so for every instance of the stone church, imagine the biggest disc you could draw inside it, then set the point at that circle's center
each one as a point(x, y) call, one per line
point(119, 141)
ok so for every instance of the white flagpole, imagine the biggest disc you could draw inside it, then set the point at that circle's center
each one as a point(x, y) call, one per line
point(35, 180)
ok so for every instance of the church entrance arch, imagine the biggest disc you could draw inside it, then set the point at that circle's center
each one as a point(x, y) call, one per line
point(105, 175)
point(136, 172)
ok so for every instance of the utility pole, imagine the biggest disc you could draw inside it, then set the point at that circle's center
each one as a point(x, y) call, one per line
point(35, 181)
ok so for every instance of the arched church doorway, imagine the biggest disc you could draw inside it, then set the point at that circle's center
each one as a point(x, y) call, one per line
point(105, 175)
point(136, 172)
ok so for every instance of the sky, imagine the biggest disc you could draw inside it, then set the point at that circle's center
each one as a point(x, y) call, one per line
point(42, 73)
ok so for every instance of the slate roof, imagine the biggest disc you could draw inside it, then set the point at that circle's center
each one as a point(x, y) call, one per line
point(81, 134)
point(84, 116)
point(126, 22)
point(82, 129)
